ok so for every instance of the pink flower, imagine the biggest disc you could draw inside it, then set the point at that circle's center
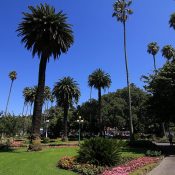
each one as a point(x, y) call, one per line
point(131, 166)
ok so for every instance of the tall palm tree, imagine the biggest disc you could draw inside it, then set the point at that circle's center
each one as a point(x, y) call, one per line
point(47, 96)
point(12, 76)
point(153, 49)
point(121, 12)
point(168, 52)
point(26, 95)
point(47, 33)
point(99, 80)
point(66, 92)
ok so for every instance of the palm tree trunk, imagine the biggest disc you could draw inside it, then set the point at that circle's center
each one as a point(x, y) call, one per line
point(27, 110)
point(99, 112)
point(23, 109)
point(128, 83)
point(65, 137)
point(37, 111)
point(8, 99)
point(154, 58)
point(90, 117)
point(31, 109)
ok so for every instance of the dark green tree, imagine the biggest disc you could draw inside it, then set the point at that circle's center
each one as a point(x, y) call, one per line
point(168, 52)
point(47, 33)
point(121, 12)
point(99, 80)
point(67, 93)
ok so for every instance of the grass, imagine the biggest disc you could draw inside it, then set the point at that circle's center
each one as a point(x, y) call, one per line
point(132, 152)
point(20, 162)
point(144, 170)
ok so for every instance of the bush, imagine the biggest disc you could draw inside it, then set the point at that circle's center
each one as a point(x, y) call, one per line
point(100, 151)
point(144, 144)
point(66, 162)
point(5, 148)
point(88, 169)
point(35, 146)
point(46, 140)
point(153, 153)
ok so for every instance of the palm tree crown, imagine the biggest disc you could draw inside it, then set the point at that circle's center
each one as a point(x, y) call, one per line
point(168, 52)
point(13, 75)
point(66, 91)
point(153, 48)
point(99, 79)
point(45, 32)
point(172, 21)
point(122, 10)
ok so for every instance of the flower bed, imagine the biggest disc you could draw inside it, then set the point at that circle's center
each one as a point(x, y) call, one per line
point(131, 166)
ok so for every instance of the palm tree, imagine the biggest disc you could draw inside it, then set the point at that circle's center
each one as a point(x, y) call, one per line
point(99, 80)
point(66, 92)
point(153, 49)
point(121, 12)
point(47, 96)
point(26, 95)
point(12, 76)
point(168, 52)
point(47, 33)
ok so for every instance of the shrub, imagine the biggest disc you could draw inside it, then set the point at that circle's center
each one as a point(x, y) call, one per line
point(66, 162)
point(145, 144)
point(153, 153)
point(100, 151)
point(88, 169)
point(5, 148)
point(46, 140)
point(35, 146)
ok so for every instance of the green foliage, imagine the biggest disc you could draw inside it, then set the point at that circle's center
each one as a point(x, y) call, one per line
point(161, 86)
point(144, 144)
point(35, 146)
point(100, 151)
point(99, 79)
point(46, 140)
point(153, 153)
point(88, 169)
point(122, 10)
point(153, 48)
point(66, 92)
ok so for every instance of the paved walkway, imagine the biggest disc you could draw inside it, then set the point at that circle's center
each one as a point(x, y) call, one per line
point(166, 167)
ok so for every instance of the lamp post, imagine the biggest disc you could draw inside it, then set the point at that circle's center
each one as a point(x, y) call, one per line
point(47, 121)
point(80, 120)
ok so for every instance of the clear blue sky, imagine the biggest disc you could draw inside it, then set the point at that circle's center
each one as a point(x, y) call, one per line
point(98, 44)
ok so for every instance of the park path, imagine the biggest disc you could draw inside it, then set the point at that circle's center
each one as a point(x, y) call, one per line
point(166, 167)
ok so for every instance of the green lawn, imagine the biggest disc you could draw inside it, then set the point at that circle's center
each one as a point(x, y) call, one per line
point(20, 162)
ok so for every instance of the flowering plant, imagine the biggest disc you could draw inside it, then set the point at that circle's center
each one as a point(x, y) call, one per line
point(131, 166)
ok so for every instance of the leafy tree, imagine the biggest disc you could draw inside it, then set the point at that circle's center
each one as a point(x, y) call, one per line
point(47, 33)
point(99, 80)
point(162, 90)
point(12, 76)
point(66, 92)
point(168, 52)
point(121, 12)
point(153, 49)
